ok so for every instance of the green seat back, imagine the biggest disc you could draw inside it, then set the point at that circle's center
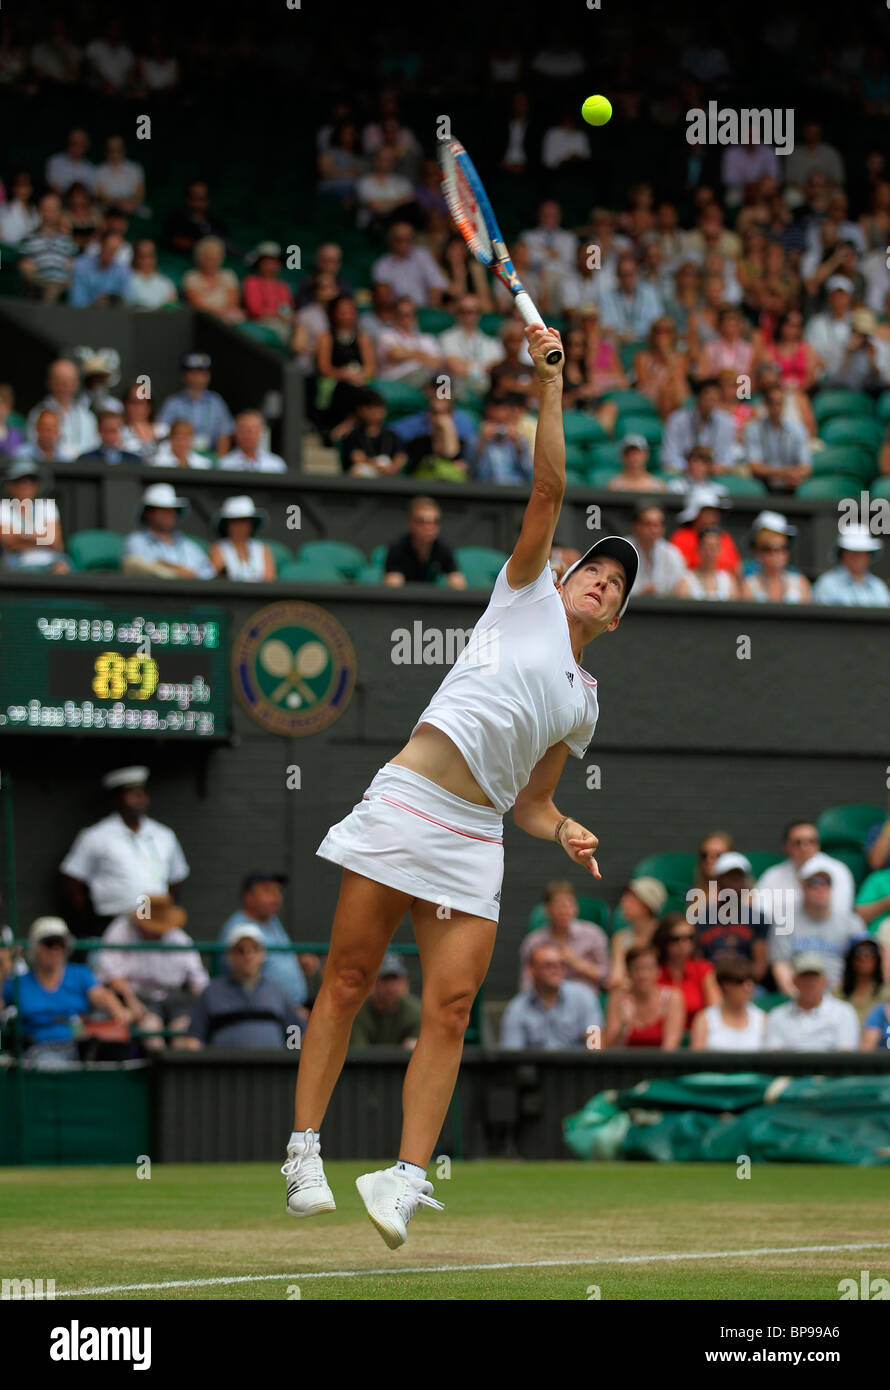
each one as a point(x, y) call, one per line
point(280, 553)
point(675, 870)
point(346, 559)
point(400, 397)
point(742, 487)
point(847, 825)
point(649, 426)
point(480, 564)
point(581, 428)
point(630, 402)
point(827, 404)
point(853, 429)
point(833, 487)
point(320, 573)
point(95, 550)
point(434, 320)
point(600, 474)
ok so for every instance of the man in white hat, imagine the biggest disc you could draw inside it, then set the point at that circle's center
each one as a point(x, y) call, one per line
point(703, 510)
point(849, 583)
point(828, 333)
point(243, 1007)
point(159, 547)
point(816, 925)
point(813, 1021)
point(120, 859)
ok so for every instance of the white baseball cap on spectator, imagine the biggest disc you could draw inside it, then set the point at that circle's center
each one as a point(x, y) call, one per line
point(839, 282)
point(725, 863)
point(49, 929)
point(240, 930)
point(773, 521)
point(808, 963)
point(701, 497)
point(161, 495)
point(634, 441)
point(857, 538)
point(816, 864)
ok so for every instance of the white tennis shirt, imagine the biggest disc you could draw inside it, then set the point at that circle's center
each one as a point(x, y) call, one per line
point(515, 690)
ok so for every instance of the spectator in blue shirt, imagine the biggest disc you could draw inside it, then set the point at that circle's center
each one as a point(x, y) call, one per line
point(502, 451)
point(243, 1007)
point(702, 424)
point(556, 1013)
point(100, 280)
point(629, 311)
point(53, 993)
point(261, 901)
point(158, 547)
point(439, 430)
point(205, 410)
point(849, 583)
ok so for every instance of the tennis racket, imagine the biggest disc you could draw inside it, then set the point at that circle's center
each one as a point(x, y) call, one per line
point(469, 206)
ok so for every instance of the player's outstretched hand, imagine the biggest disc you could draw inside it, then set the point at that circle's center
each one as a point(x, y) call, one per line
point(580, 845)
point(540, 341)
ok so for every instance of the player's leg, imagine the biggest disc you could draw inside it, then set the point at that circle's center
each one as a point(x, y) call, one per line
point(367, 914)
point(455, 954)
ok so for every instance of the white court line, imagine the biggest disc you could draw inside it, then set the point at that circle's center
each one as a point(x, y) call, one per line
point(466, 1269)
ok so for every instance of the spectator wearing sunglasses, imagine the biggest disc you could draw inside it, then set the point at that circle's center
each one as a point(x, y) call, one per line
point(733, 1024)
point(773, 581)
point(710, 848)
point(800, 842)
point(695, 979)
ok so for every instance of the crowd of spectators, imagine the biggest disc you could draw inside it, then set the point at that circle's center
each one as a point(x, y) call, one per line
point(797, 959)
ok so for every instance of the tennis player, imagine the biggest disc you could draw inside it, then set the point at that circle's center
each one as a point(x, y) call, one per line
point(426, 838)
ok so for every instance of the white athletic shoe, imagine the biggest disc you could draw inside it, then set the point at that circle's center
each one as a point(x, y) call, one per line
point(391, 1199)
point(308, 1193)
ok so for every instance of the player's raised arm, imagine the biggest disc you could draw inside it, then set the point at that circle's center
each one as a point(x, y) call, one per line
point(549, 481)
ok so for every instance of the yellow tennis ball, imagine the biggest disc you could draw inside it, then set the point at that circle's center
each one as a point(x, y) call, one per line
point(597, 110)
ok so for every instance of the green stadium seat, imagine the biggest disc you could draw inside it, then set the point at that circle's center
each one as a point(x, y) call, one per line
point(884, 407)
point(95, 550)
point(370, 574)
point(575, 478)
point(577, 456)
point(844, 458)
point(627, 353)
point(630, 402)
point(847, 825)
point(880, 487)
point(378, 555)
point(854, 860)
point(434, 320)
point(280, 552)
point(675, 870)
point(742, 487)
point(581, 428)
point(600, 475)
point(833, 487)
point(827, 404)
point(400, 397)
point(480, 564)
point(853, 429)
point(606, 455)
point(649, 426)
point(267, 337)
point(199, 541)
point(761, 860)
point(491, 324)
point(321, 573)
point(346, 559)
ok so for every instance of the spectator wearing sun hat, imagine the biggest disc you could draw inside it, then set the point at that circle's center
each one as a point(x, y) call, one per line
point(640, 904)
point(266, 297)
point(773, 581)
point(703, 510)
point(159, 547)
point(849, 583)
point(817, 924)
point(206, 410)
point(238, 554)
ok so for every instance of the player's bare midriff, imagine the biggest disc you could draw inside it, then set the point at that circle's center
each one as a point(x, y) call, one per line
point(433, 755)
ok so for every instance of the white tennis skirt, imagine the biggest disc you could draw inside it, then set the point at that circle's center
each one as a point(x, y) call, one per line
point(411, 834)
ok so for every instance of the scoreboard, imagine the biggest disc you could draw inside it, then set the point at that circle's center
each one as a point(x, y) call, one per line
point(81, 667)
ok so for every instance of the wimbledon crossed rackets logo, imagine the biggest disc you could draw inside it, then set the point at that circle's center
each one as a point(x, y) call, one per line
point(293, 667)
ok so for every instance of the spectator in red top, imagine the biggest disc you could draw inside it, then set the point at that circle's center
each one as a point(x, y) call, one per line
point(695, 979)
point(266, 298)
point(703, 510)
point(644, 1013)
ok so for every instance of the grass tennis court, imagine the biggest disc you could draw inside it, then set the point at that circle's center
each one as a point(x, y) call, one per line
point(559, 1227)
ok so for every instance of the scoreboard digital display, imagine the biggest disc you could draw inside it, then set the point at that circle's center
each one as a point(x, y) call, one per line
point(91, 668)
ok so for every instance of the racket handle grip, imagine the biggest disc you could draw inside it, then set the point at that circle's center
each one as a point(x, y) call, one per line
point(530, 315)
